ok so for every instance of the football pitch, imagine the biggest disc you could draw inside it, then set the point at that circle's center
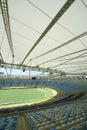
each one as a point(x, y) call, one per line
point(25, 95)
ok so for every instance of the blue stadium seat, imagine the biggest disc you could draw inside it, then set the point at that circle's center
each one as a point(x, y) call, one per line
point(8, 123)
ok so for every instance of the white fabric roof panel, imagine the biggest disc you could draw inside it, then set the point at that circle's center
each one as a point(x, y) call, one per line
point(29, 19)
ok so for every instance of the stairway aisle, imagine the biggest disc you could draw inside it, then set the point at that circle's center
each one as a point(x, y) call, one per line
point(22, 123)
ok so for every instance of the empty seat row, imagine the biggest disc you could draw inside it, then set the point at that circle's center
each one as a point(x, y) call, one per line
point(8, 123)
point(59, 117)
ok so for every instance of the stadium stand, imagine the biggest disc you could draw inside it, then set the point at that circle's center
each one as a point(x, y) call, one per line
point(8, 123)
point(59, 117)
point(63, 85)
point(71, 114)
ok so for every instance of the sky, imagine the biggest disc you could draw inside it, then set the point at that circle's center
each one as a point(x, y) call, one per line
point(20, 72)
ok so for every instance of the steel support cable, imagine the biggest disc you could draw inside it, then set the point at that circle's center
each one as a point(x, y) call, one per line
point(37, 30)
point(31, 39)
point(79, 70)
point(51, 19)
point(84, 56)
point(62, 56)
point(71, 67)
point(77, 62)
point(55, 19)
point(5, 15)
point(84, 3)
point(70, 54)
point(49, 16)
point(25, 25)
point(69, 60)
point(76, 66)
point(56, 48)
point(43, 13)
point(31, 29)
point(22, 36)
point(40, 32)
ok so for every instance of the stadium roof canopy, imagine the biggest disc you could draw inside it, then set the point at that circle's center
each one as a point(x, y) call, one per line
point(44, 34)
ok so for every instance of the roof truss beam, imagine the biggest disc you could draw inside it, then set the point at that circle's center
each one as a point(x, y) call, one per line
point(63, 56)
point(56, 48)
point(80, 69)
point(35, 68)
point(5, 15)
point(70, 60)
point(55, 19)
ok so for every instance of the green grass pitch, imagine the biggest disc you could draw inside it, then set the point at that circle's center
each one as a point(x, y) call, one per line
point(10, 96)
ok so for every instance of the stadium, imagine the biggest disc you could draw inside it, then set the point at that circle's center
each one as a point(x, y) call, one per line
point(43, 64)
